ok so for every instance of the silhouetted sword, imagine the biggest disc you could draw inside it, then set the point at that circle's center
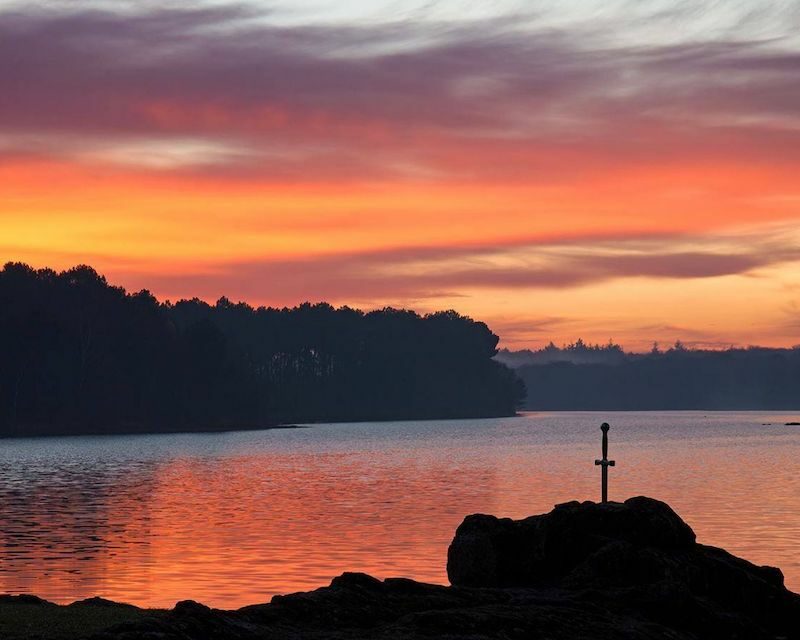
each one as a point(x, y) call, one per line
point(605, 463)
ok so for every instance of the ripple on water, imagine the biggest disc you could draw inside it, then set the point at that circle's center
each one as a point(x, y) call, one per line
point(230, 519)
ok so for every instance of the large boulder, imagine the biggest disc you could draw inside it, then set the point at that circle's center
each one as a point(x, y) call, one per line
point(637, 555)
point(557, 546)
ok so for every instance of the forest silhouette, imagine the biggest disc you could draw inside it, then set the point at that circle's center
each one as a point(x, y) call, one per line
point(581, 376)
point(82, 356)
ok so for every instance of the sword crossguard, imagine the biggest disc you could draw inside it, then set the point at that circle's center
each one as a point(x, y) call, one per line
point(606, 463)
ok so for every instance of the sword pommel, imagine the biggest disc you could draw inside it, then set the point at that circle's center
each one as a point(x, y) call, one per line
point(604, 428)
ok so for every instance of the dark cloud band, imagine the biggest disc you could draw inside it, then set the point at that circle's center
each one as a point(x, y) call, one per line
point(392, 98)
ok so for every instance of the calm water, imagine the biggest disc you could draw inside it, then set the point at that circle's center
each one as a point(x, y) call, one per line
point(231, 519)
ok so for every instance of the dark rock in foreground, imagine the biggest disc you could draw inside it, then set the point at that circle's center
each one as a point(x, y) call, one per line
point(637, 556)
point(623, 571)
point(575, 545)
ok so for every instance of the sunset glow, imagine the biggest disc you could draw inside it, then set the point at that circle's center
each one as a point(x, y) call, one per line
point(573, 170)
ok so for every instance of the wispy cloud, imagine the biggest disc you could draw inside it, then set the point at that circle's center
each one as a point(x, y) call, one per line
point(433, 272)
point(526, 93)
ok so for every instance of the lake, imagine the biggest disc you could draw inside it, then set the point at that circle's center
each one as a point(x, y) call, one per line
point(233, 518)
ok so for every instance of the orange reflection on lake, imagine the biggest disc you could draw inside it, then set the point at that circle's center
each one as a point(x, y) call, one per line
point(232, 519)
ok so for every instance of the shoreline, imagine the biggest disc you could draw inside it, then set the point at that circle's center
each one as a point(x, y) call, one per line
point(144, 431)
point(66, 432)
point(89, 433)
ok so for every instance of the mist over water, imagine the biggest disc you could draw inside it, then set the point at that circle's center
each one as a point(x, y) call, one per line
point(232, 519)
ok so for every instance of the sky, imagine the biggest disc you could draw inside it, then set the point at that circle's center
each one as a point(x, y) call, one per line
point(625, 170)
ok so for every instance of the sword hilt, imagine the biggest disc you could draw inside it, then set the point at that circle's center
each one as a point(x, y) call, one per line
point(604, 464)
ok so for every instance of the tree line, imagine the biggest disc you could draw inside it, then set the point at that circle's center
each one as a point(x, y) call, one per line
point(606, 378)
point(578, 352)
point(78, 355)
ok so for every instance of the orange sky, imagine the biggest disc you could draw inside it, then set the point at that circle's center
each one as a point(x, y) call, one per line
point(558, 175)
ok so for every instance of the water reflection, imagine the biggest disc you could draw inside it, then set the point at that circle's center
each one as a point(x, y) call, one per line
point(231, 519)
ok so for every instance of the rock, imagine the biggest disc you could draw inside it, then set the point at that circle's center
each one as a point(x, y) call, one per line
point(793, 424)
point(639, 554)
point(500, 552)
point(191, 608)
point(25, 599)
point(360, 607)
point(100, 602)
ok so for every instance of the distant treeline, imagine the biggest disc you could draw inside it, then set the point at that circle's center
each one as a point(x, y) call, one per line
point(79, 355)
point(578, 352)
point(593, 377)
